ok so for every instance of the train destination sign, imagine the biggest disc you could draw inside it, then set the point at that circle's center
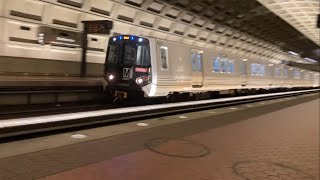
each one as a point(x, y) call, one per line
point(92, 27)
point(97, 27)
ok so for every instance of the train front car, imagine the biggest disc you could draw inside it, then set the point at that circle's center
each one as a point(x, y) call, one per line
point(128, 66)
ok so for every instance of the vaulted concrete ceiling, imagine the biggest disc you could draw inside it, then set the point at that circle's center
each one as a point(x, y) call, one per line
point(253, 18)
point(301, 14)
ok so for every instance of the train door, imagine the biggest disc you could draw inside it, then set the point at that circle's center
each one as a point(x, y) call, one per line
point(197, 68)
point(243, 72)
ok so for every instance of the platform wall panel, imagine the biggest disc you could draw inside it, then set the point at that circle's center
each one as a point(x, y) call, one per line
point(63, 17)
point(31, 10)
point(35, 66)
point(1, 32)
point(101, 7)
point(2, 7)
point(19, 31)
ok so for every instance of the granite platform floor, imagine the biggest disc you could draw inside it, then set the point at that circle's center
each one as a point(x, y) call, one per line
point(257, 141)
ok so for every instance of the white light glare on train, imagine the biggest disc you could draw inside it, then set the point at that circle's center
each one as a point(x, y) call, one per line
point(139, 80)
point(111, 77)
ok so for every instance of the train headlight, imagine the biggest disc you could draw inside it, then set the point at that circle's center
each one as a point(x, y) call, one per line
point(111, 77)
point(139, 80)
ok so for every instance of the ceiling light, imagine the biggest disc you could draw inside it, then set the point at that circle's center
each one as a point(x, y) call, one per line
point(310, 60)
point(293, 53)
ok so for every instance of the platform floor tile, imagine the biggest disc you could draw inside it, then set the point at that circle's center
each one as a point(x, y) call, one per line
point(281, 145)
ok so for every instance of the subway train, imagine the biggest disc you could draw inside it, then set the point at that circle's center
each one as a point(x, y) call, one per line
point(147, 67)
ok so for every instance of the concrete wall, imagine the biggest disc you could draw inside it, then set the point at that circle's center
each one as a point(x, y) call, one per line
point(21, 21)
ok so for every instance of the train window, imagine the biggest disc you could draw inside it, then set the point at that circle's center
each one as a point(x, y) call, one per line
point(276, 72)
point(285, 73)
point(231, 66)
point(199, 62)
point(143, 56)
point(129, 54)
point(216, 64)
point(262, 70)
point(296, 74)
point(193, 61)
point(265, 70)
point(224, 64)
point(164, 57)
point(112, 54)
point(253, 69)
point(196, 61)
point(243, 67)
point(258, 69)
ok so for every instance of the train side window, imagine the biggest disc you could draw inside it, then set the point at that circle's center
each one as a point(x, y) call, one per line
point(216, 64)
point(258, 70)
point(224, 64)
point(285, 73)
point(199, 62)
point(276, 72)
point(231, 66)
point(306, 76)
point(253, 69)
point(296, 74)
point(164, 57)
point(193, 61)
point(263, 68)
point(243, 67)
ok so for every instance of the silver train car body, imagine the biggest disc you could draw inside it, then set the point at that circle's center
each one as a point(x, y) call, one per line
point(179, 68)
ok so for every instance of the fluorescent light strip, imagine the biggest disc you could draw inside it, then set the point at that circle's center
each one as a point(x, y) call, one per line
point(293, 53)
point(8, 123)
point(310, 60)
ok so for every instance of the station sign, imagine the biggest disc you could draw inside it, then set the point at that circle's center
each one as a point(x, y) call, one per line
point(58, 37)
point(92, 27)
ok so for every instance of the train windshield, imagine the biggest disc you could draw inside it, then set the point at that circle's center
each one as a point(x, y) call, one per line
point(129, 53)
point(112, 54)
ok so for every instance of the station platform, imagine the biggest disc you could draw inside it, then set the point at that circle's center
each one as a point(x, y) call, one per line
point(268, 140)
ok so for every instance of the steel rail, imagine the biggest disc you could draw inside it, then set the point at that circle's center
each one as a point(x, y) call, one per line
point(9, 127)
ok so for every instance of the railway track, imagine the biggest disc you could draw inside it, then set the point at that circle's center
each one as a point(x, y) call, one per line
point(19, 126)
